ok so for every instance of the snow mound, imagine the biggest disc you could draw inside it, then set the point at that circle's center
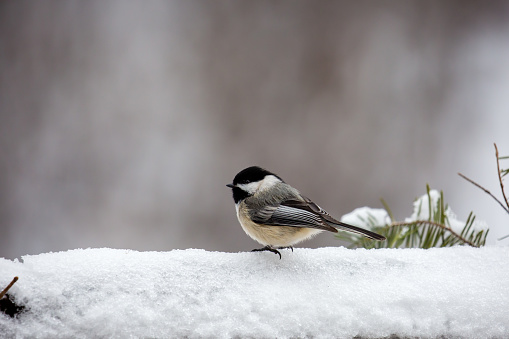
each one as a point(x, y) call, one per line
point(320, 293)
point(367, 217)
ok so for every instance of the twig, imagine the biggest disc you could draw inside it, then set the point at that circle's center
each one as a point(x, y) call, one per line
point(8, 287)
point(500, 177)
point(485, 190)
point(427, 222)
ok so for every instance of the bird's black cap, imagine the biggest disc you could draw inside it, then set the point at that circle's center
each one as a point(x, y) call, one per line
point(247, 175)
point(251, 174)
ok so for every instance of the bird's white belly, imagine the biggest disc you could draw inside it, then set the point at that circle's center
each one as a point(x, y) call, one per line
point(275, 236)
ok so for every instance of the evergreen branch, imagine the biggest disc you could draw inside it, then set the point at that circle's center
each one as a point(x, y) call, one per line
point(431, 227)
point(435, 224)
point(500, 178)
point(485, 190)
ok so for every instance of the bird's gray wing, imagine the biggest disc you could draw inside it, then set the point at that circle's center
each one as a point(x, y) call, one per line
point(294, 213)
point(305, 213)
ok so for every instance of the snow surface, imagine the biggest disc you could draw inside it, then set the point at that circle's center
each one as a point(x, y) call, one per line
point(322, 293)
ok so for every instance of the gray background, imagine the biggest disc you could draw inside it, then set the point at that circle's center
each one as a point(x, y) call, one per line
point(121, 121)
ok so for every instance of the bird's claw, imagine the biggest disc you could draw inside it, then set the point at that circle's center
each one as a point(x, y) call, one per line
point(272, 249)
point(268, 248)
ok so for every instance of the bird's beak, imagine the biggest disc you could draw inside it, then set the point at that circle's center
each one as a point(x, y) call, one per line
point(230, 185)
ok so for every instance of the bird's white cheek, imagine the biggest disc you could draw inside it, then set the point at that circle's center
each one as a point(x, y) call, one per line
point(250, 188)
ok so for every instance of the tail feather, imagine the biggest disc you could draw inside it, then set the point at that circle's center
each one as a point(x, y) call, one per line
point(358, 230)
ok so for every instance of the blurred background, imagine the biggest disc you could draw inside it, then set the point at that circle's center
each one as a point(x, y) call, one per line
point(122, 121)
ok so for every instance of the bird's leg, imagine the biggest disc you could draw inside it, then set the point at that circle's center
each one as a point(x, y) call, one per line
point(267, 248)
point(285, 247)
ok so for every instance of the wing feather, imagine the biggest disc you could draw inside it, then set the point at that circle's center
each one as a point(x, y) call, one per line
point(288, 213)
point(305, 213)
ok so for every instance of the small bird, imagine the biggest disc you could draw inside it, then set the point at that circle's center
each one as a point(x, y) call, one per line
point(276, 215)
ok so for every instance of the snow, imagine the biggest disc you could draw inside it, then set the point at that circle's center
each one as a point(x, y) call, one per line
point(321, 293)
point(367, 217)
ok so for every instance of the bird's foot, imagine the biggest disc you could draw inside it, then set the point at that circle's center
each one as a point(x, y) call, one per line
point(272, 249)
point(267, 248)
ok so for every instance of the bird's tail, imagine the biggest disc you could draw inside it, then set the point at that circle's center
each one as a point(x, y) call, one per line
point(354, 229)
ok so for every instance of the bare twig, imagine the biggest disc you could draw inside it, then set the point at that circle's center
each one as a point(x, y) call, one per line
point(427, 222)
point(8, 287)
point(500, 178)
point(485, 190)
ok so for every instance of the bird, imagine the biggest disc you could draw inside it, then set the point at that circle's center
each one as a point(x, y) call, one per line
point(278, 216)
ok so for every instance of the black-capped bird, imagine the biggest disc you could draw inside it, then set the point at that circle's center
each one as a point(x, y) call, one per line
point(277, 216)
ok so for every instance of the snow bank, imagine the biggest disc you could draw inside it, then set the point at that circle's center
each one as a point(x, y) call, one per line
point(327, 292)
